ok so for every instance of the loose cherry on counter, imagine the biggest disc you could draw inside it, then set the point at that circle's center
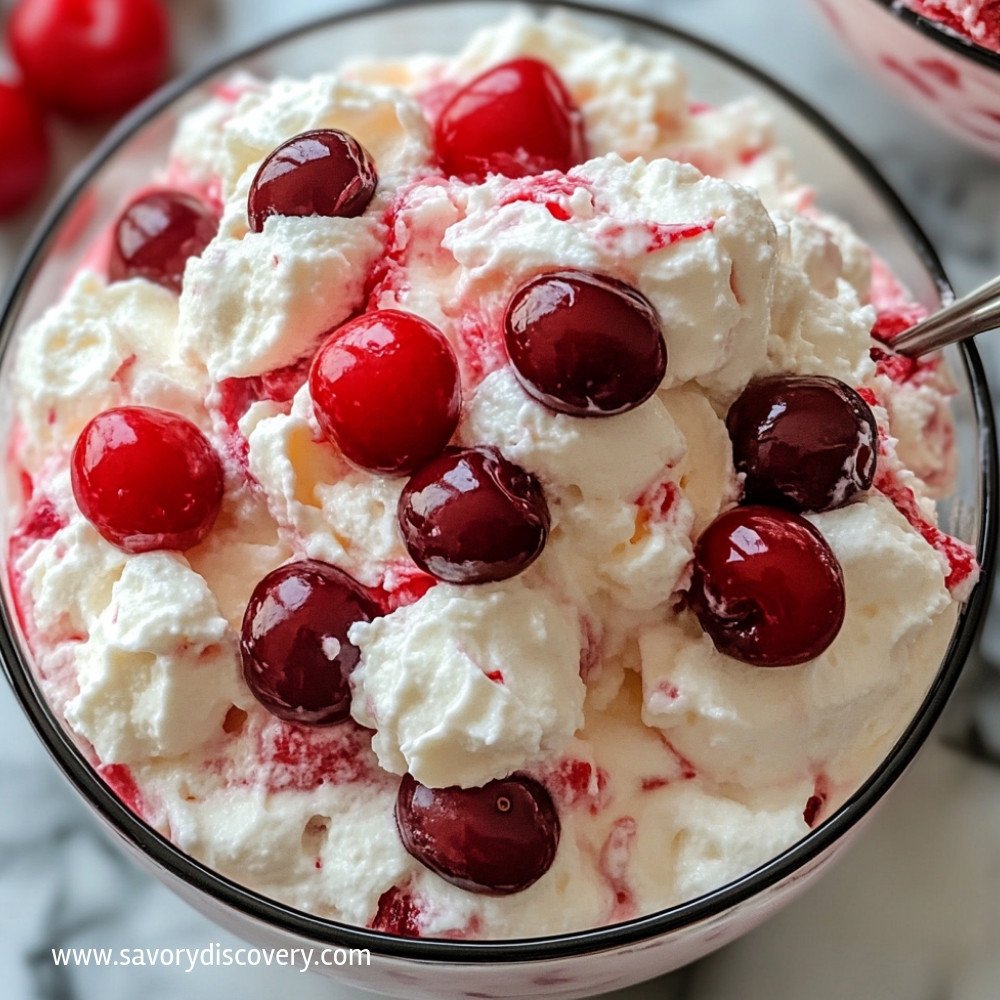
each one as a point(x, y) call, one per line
point(515, 119)
point(585, 344)
point(472, 516)
point(495, 840)
point(324, 172)
point(806, 442)
point(297, 659)
point(766, 587)
point(24, 151)
point(90, 57)
point(386, 390)
point(156, 234)
point(146, 479)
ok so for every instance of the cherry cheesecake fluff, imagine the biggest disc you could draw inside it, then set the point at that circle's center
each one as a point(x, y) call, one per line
point(974, 20)
point(476, 496)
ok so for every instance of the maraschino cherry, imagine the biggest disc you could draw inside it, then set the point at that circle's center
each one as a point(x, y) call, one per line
point(515, 119)
point(386, 390)
point(806, 442)
point(90, 57)
point(472, 516)
point(496, 840)
point(156, 234)
point(297, 659)
point(767, 587)
point(584, 343)
point(325, 172)
point(24, 150)
point(146, 479)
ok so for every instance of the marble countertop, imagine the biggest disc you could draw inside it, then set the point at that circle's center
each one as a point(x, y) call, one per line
point(912, 913)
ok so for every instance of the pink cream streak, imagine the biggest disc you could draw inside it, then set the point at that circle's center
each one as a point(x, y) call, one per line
point(476, 332)
point(896, 312)
point(41, 522)
point(959, 558)
point(614, 863)
point(813, 813)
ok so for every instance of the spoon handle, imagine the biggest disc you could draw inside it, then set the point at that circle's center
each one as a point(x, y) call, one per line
point(965, 317)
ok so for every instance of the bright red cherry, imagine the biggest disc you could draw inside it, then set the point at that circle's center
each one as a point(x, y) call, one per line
point(515, 119)
point(386, 390)
point(806, 442)
point(156, 234)
point(24, 149)
point(146, 479)
point(325, 172)
point(297, 659)
point(766, 587)
point(471, 516)
point(90, 57)
point(496, 840)
point(585, 344)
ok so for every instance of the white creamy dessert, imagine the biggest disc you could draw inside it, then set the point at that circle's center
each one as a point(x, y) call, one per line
point(585, 677)
point(975, 20)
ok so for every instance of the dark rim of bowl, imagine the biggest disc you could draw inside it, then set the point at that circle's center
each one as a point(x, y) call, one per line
point(176, 863)
point(939, 32)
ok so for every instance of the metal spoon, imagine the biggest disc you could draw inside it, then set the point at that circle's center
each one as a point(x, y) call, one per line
point(965, 317)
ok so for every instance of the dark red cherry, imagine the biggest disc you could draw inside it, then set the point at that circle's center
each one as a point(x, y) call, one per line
point(146, 479)
point(471, 516)
point(297, 659)
point(806, 442)
point(515, 119)
point(585, 344)
point(497, 840)
point(156, 234)
point(386, 390)
point(325, 172)
point(766, 587)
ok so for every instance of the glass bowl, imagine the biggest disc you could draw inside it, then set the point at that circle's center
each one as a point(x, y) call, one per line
point(605, 958)
point(951, 80)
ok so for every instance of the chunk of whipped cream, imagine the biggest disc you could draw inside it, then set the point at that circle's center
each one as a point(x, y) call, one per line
point(463, 687)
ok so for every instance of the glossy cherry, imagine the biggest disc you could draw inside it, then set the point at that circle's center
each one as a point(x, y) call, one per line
point(806, 442)
point(156, 234)
point(472, 516)
point(585, 344)
point(496, 840)
point(515, 119)
point(386, 390)
point(24, 149)
point(766, 587)
point(297, 659)
point(146, 479)
point(90, 57)
point(324, 172)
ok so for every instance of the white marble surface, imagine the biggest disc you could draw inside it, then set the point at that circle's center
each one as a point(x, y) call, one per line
point(913, 912)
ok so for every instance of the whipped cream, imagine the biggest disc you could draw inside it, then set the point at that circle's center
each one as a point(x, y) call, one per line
point(673, 768)
point(462, 688)
point(976, 20)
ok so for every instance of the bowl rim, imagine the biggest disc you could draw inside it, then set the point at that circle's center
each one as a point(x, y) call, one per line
point(167, 857)
point(939, 32)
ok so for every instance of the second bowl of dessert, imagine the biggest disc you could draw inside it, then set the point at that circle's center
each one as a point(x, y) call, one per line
point(940, 56)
